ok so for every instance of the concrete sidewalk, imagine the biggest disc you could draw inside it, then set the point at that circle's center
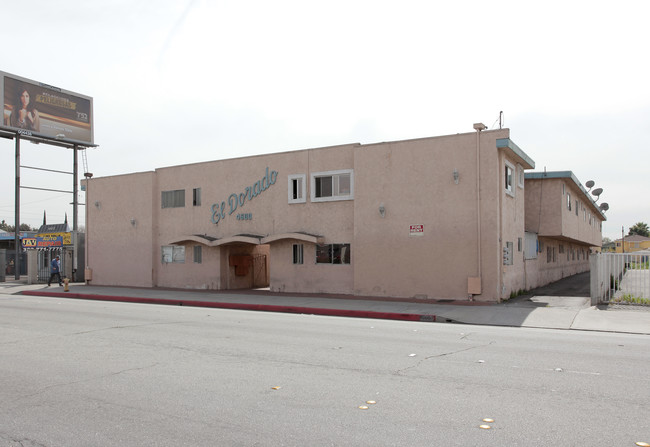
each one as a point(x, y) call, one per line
point(555, 312)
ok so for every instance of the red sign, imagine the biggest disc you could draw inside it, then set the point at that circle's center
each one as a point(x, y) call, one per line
point(416, 230)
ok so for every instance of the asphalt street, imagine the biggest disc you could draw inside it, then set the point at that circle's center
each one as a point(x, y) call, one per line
point(93, 373)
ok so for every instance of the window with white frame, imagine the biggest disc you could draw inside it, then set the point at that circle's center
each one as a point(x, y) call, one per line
point(297, 185)
point(509, 179)
point(520, 176)
point(298, 253)
point(332, 185)
point(568, 201)
point(173, 254)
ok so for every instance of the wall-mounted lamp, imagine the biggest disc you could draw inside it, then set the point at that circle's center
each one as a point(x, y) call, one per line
point(98, 205)
point(133, 222)
point(382, 210)
point(456, 176)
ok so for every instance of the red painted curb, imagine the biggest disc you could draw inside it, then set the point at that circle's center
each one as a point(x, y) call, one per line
point(242, 306)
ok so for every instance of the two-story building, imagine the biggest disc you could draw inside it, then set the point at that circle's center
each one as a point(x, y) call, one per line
point(632, 243)
point(563, 222)
point(438, 218)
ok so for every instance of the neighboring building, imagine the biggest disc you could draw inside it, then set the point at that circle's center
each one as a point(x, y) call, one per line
point(8, 244)
point(632, 243)
point(564, 222)
point(438, 218)
point(609, 247)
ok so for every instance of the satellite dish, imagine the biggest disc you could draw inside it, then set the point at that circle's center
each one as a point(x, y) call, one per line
point(597, 192)
point(604, 206)
point(590, 184)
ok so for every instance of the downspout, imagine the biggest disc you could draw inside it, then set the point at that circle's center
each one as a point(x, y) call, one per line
point(478, 127)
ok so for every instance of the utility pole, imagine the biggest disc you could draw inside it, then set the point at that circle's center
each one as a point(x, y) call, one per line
point(623, 239)
point(17, 243)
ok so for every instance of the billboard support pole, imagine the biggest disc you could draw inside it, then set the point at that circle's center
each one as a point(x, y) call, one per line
point(17, 244)
point(75, 216)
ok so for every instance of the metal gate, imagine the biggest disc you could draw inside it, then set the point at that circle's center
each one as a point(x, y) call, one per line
point(620, 278)
point(44, 259)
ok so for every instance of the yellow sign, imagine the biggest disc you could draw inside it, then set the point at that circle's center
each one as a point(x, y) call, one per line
point(66, 237)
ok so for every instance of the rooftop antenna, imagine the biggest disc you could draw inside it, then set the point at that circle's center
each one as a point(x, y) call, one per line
point(501, 119)
point(590, 184)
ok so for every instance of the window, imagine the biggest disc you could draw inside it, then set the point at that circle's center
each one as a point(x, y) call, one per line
point(568, 201)
point(520, 176)
point(577, 207)
point(519, 244)
point(333, 254)
point(297, 188)
point(173, 254)
point(332, 185)
point(173, 199)
point(298, 253)
point(196, 197)
point(198, 254)
point(508, 184)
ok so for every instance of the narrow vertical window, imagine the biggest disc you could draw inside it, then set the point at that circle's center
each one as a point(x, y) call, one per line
point(196, 196)
point(198, 254)
point(298, 253)
point(509, 172)
point(297, 188)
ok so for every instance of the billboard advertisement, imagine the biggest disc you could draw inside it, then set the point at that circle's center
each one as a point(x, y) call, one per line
point(36, 109)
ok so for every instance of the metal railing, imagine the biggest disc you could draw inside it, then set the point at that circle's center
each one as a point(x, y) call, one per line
point(620, 278)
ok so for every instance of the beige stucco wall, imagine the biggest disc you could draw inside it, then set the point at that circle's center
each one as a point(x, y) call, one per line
point(547, 213)
point(412, 179)
point(551, 265)
point(120, 252)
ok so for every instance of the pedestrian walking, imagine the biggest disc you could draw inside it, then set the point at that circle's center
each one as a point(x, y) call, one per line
point(55, 270)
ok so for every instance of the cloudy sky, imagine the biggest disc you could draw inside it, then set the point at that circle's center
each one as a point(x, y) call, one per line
point(183, 81)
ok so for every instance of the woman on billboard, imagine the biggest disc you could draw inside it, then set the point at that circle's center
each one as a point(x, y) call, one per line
point(24, 115)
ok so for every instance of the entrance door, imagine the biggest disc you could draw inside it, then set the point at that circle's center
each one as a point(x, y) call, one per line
point(260, 271)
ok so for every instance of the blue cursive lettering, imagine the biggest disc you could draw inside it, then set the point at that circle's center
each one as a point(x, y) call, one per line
point(238, 200)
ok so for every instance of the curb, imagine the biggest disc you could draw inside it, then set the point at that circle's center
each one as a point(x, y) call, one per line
point(242, 306)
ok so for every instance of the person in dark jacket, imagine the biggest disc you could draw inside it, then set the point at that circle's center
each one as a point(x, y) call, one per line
point(55, 270)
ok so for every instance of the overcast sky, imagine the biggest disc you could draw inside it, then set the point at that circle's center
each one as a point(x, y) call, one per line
point(184, 81)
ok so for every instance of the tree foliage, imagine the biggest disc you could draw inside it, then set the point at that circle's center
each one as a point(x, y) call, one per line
point(640, 228)
point(4, 226)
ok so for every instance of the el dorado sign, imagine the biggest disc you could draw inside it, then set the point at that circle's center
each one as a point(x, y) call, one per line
point(238, 200)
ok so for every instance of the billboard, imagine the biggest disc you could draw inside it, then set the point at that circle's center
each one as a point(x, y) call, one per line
point(33, 108)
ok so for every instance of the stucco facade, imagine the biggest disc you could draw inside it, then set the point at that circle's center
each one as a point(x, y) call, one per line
point(565, 221)
point(438, 218)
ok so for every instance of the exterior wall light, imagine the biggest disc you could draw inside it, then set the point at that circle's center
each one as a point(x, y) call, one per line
point(382, 210)
point(133, 222)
